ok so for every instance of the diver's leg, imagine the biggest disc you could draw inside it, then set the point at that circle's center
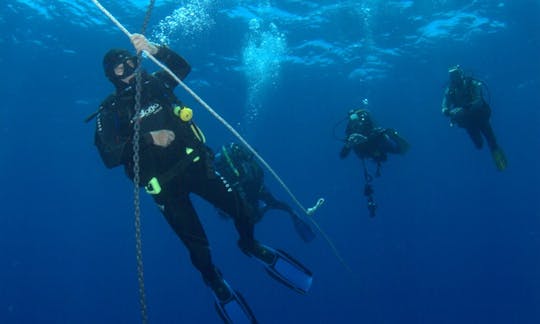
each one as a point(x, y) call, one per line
point(182, 217)
point(302, 227)
point(482, 117)
point(230, 305)
point(272, 202)
point(217, 191)
point(476, 136)
point(497, 153)
point(489, 135)
point(279, 265)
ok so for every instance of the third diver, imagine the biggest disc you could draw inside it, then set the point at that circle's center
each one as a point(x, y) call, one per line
point(370, 142)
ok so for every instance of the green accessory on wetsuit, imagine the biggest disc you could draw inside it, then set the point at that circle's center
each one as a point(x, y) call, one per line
point(198, 133)
point(189, 150)
point(186, 115)
point(153, 187)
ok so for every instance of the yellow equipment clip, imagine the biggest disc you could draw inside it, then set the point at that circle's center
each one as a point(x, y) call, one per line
point(185, 113)
point(153, 187)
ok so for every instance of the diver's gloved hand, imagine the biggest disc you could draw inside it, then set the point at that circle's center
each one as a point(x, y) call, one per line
point(445, 111)
point(454, 112)
point(456, 116)
point(356, 139)
point(162, 137)
point(142, 44)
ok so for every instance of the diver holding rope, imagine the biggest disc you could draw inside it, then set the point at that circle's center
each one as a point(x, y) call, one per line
point(174, 163)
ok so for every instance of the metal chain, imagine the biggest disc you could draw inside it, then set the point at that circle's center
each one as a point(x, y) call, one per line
point(136, 176)
point(136, 191)
point(147, 17)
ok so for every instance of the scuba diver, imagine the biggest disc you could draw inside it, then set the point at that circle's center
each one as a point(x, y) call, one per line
point(370, 142)
point(175, 162)
point(239, 167)
point(464, 104)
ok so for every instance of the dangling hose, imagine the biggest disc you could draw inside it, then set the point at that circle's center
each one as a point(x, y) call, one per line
point(308, 211)
point(368, 190)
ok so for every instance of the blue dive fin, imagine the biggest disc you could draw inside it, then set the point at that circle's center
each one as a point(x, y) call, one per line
point(303, 229)
point(234, 309)
point(288, 271)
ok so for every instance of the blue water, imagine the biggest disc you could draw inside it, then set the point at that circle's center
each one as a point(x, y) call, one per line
point(454, 240)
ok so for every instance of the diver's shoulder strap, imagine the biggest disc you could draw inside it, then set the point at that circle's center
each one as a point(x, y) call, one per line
point(103, 106)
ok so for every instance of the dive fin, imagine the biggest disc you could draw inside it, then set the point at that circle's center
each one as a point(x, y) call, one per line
point(234, 309)
point(288, 271)
point(499, 158)
point(303, 229)
point(401, 143)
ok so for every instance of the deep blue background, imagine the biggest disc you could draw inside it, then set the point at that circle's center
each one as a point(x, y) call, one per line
point(454, 240)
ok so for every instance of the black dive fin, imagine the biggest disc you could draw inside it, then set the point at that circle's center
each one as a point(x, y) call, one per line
point(234, 310)
point(289, 271)
point(499, 158)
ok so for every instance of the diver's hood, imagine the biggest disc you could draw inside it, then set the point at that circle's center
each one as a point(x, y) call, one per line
point(113, 58)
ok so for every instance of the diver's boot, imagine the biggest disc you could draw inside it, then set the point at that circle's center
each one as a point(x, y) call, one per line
point(499, 158)
point(230, 305)
point(284, 268)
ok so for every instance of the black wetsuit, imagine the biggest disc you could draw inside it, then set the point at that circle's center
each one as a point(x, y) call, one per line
point(113, 138)
point(247, 177)
point(377, 143)
point(474, 113)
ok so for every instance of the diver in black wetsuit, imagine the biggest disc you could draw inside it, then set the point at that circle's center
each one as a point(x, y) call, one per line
point(175, 162)
point(370, 142)
point(239, 167)
point(464, 104)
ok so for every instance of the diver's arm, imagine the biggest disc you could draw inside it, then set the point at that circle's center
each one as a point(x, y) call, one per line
point(477, 99)
point(115, 145)
point(178, 65)
point(173, 61)
point(346, 149)
point(446, 103)
point(110, 143)
point(355, 140)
